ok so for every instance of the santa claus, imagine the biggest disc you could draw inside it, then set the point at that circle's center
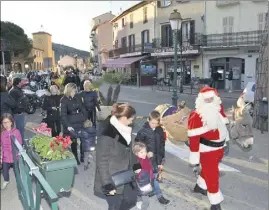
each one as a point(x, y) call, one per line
point(207, 137)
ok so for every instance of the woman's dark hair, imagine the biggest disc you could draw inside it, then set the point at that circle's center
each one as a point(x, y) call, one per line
point(123, 110)
point(3, 84)
point(7, 116)
point(16, 81)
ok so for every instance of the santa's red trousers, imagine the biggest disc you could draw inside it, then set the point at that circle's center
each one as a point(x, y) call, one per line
point(209, 176)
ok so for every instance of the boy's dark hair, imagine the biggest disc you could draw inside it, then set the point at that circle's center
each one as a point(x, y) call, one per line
point(16, 81)
point(154, 115)
point(138, 146)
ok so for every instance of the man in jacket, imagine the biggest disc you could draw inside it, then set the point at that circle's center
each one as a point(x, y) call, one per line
point(17, 94)
point(230, 81)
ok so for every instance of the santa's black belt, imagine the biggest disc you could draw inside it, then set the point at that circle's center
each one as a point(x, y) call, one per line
point(212, 143)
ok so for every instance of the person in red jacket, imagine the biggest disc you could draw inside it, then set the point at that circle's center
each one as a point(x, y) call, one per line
point(207, 136)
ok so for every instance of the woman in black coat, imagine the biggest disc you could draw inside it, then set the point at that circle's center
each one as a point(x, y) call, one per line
point(73, 115)
point(7, 102)
point(114, 154)
point(90, 100)
point(52, 106)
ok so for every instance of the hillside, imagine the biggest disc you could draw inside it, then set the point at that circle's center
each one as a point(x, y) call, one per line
point(60, 49)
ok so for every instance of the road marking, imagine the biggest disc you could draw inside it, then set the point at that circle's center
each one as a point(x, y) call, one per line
point(169, 176)
point(247, 164)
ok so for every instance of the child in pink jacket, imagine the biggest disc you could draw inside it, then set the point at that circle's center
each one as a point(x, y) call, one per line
point(7, 130)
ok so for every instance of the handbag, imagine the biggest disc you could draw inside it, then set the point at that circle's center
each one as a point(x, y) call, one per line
point(124, 177)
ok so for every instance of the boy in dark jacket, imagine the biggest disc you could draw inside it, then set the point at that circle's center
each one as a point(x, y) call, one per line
point(152, 135)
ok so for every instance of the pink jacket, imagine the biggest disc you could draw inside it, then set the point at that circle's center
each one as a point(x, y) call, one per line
point(6, 144)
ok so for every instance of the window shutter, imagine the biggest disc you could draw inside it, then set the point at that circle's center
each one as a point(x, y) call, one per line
point(158, 4)
point(147, 36)
point(231, 24)
point(163, 35)
point(142, 38)
point(192, 32)
point(170, 36)
point(224, 24)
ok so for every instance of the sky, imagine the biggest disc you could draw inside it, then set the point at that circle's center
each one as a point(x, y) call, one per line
point(69, 22)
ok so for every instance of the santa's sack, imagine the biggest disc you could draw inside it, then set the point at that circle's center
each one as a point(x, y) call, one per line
point(176, 125)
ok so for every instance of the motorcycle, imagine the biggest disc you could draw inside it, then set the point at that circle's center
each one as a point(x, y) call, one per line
point(35, 99)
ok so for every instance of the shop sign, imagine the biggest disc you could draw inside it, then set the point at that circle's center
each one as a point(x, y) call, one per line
point(130, 54)
point(170, 51)
point(168, 60)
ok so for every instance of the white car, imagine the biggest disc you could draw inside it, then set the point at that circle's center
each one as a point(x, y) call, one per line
point(249, 92)
point(248, 96)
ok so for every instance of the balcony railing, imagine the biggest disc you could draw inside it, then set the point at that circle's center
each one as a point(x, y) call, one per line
point(248, 38)
point(129, 49)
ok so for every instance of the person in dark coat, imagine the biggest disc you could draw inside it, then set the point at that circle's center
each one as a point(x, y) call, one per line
point(7, 102)
point(86, 77)
point(87, 136)
point(77, 78)
point(90, 100)
point(69, 78)
point(152, 135)
point(73, 115)
point(17, 94)
point(114, 154)
point(52, 106)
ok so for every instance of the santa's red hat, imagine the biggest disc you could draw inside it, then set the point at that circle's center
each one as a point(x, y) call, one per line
point(208, 92)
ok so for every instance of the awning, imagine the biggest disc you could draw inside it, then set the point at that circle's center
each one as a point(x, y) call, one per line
point(123, 62)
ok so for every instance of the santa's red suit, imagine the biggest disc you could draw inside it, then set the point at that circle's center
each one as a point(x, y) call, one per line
point(207, 147)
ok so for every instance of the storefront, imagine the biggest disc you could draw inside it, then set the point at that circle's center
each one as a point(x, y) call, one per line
point(242, 62)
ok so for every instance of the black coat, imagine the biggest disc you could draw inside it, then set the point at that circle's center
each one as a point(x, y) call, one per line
point(155, 142)
point(7, 103)
point(113, 155)
point(17, 94)
point(69, 79)
point(90, 100)
point(72, 113)
point(49, 102)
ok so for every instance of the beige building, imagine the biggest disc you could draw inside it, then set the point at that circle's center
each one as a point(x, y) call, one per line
point(192, 28)
point(101, 37)
point(38, 59)
point(75, 62)
point(133, 33)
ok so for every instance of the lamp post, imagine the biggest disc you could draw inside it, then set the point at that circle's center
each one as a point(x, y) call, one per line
point(76, 60)
point(175, 21)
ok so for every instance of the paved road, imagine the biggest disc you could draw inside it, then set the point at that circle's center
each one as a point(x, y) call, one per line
point(243, 189)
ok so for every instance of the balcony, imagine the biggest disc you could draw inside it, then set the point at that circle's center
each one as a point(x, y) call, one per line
point(240, 39)
point(129, 49)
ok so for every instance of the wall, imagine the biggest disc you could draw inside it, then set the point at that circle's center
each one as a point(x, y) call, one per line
point(104, 36)
point(193, 9)
point(103, 18)
point(67, 61)
point(245, 16)
point(138, 25)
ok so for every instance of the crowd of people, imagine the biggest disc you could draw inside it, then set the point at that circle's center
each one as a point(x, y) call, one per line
point(127, 172)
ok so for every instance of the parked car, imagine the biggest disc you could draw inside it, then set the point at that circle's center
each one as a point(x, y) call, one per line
point(248, 96)
point(23, 77)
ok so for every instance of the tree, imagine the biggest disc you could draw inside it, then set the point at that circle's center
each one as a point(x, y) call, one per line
point(15, 38)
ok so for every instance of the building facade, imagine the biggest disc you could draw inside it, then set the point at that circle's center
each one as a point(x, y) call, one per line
point(188, 39)
point(75, 62)
point(38, 55)
point(101, 38)
point(232, 39)
point(42, 40)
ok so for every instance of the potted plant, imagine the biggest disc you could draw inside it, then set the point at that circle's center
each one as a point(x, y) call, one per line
point(112, 93)
point(55, 161)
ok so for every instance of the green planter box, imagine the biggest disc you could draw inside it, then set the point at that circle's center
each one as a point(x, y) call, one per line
point(59, 173)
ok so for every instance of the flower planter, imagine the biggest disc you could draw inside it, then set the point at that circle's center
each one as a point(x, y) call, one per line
point(58, 173)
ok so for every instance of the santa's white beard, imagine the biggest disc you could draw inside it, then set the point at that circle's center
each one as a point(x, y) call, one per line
point(210, 115)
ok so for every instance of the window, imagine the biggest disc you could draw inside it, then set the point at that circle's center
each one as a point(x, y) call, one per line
point(116, 44)
point(131, 40)
point(165, 3)
point(261, 21)
point(113, 36)
point(185, 31)
point(144, 37)
point(99, 21)
point(131, 21)
point(122, 22)
point(123, 42)
point(145, 15)
point(227, 24)
point(166, 36)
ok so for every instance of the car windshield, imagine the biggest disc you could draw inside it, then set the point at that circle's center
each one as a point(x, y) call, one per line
point(253, 88)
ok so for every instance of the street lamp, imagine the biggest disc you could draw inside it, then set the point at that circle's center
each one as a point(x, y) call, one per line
point(76, 60)
point(26, 66)
point(175, 21)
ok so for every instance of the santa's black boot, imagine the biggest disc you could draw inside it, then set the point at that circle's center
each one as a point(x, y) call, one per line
point(198, 189)
point(215, 207)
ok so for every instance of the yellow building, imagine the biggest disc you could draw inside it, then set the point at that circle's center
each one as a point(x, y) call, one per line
point(42, 40)
point(38, 55)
